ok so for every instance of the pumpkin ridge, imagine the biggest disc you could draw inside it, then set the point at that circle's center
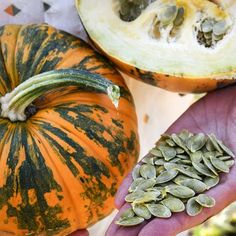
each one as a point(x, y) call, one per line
point(10, 42)
point(54, 122)
point(15, 77)
point(4, 77)
point(41, 139)
point(27, 181)
point(28, 50)
point(64, 137)
point(92, 129)
point(94, 195)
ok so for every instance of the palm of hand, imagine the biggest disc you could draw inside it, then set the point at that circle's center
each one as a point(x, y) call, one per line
point(215, 113)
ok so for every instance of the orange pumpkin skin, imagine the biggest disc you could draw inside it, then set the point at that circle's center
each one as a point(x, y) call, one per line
point(169, 82)
point(60, 169)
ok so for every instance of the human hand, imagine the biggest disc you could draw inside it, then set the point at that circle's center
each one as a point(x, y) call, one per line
point(215, 113)
point(82, 232)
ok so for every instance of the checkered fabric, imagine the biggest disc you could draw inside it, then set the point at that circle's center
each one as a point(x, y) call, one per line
point(59, 13)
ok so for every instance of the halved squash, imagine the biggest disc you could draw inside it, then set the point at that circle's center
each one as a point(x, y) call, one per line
point(178, 45)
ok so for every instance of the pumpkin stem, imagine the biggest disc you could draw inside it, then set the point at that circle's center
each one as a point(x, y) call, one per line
point(13, 104)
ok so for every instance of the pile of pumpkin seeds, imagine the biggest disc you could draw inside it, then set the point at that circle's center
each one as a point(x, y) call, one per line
point(174, 175)
point(211, 32)
point(170, 18)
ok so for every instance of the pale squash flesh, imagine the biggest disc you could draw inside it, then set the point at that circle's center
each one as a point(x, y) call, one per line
point(173, 58)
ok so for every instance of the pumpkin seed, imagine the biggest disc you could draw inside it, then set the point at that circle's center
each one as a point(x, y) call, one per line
point(219, 165)
point(207, 26)
point(159, 162)
point(196, 185)
point(174, 204)
point(220, 27)
point(165, 135)
point(148, 171)
point(167, 14)
point(205, 201)
point(180, 178)
point(183, 156)
point(229, 163)
point(148, 160)
point(171, 166)
point(175, 160)
point(212, 154)
point(209, 145)
point(159, 210)
point(180, 17)
point(203, 169)
point(211, 182)
point(225, 149)
point(147, 197)
point(135, 184)
point(208, 35)
point(130, 10)
point(193, 208)
point(166, 176)
point(185, 162)
point(156, 152)
point(134, 195)
point(179, 150)
point(196, 142)
point(127, 213)
point(189, 172)
point(215, 143)
point(225, 158)
point(136, 172)
point(179, 142)
point(217, 37)
point(149, 183)
point(142, 211)
point(180, 191)
point(167, 152)
point(207, 162)
point(170, 142)
point(160, 169)
point(131, 221)
point(196, 156)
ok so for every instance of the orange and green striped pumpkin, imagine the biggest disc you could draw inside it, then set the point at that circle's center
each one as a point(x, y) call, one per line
point(61, 164)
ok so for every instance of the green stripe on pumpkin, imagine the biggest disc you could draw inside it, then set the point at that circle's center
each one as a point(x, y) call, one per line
point(5, 81)
point(32, 174)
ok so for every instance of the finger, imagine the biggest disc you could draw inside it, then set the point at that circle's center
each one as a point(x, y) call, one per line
point(122, 191)
point(82, 232)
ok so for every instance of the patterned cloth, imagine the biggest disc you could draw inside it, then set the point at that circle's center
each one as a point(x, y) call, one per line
point(59, 13)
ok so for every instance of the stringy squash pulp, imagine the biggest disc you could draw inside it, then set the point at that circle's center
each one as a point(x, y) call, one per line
point(179, 45)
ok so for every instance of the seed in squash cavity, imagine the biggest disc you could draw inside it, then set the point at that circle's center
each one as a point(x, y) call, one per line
point(167, 14)
point(180, 17)
point(207, 26)
point(220, 28)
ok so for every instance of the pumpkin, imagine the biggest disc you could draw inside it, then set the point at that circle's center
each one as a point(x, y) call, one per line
point(178, 45)
point(65, 147)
